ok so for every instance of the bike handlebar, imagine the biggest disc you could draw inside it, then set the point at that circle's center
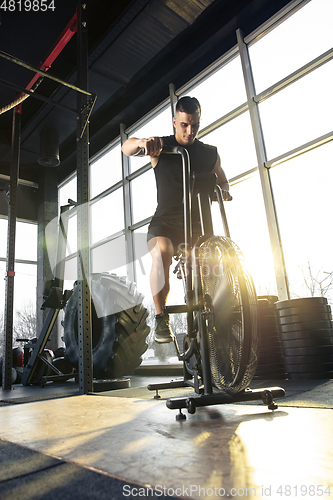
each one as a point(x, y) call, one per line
point(166, 149)
point(173, 150)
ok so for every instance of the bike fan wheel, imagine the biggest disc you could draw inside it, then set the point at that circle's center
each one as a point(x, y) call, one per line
point(231, 314)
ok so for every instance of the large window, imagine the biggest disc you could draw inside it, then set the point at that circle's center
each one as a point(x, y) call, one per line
point(68, 190)
point(237, 131)
point(25, 278)
point(295, 42)
point(248, 229)
point(107, 216)
point(143, 189)
point(159, 125)
point(299, 113)
point(109, 257)
point(105, 171)
point(220, 93)
point(302, 188)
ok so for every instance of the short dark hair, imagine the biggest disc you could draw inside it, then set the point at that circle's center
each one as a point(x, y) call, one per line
point(189, 105)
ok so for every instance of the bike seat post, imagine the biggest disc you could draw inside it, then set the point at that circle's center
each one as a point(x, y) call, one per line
point(222, 211)
point(203, 188)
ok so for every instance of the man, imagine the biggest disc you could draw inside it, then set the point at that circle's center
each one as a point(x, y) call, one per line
point(166, 230)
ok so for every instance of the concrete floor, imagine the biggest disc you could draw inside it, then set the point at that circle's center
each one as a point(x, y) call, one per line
point(239, 450)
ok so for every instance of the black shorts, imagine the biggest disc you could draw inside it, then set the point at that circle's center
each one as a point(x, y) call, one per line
point(172, 229)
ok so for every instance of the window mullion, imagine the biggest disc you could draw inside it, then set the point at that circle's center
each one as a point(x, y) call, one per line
point(128, 217)
point(274, 233)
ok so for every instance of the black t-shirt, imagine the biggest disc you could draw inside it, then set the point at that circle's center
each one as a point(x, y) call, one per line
point(169, 176)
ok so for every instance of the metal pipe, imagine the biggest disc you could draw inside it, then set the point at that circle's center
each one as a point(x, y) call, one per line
point(11, 235)
point(37, 96)
point(222, 210)
point(38, 71)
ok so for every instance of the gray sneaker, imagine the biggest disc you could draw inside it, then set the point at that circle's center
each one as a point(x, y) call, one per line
point(163, 333)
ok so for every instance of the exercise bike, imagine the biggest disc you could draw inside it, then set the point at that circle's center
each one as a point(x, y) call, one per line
point(220, 347)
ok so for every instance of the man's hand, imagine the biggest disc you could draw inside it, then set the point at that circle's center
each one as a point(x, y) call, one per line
point(143, 147)
point(226, 195)
point(151, 147)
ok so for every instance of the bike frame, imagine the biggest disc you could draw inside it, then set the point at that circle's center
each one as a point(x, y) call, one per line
point(194, 302)
point(193, 290)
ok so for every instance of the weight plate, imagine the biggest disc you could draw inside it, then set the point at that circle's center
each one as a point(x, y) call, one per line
point(312, 342)
point(311, 376)
point(273, 341)
point(308, 351)
point(304, 318)
point(278, 375)
point(267, 350)
point(269, 338)
point(270, 343)
point(273, 345)
point(270, 356)
point(269, 371)
point(268, 325)
point(302, 360)
point(313, 368)
point(307, 325)
point(267, 312)
point(63, 365)
point(275, 351)
point(266, 304)
point(270, 350)
point(270, 298)
point(274, 362)
point(325, 308)
point(305, 302)
point(270, 360)
point(269, 335)
point(267, 319)
point(266, 328)
point(307, 334)
point(271, 366)
point(271, 376)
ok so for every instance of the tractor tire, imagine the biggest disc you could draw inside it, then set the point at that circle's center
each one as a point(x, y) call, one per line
point(119, 328)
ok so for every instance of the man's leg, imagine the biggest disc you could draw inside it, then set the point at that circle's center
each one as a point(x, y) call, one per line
point(161, 250)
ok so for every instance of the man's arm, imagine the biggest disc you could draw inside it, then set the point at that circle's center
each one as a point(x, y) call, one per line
point(222, 180)
point(143, 147)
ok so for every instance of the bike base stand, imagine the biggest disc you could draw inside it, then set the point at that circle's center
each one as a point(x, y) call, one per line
point(173, 384)
point(192, 402)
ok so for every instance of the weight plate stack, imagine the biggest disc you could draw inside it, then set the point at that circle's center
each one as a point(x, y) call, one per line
point(270, 364)
point(306, 332)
